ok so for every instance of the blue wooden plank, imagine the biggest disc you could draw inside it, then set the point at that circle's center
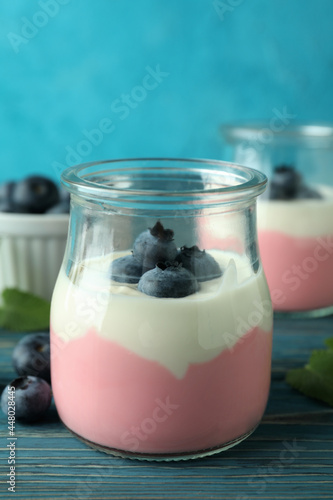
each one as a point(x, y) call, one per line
point(290, 455)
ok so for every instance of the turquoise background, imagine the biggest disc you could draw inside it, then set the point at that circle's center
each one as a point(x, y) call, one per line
point(221, 61)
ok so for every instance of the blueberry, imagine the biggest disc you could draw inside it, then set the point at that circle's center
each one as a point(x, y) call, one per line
point(60, 208)
point(32, 396)
point(31, 356)
point(285, 183)
point(35, 195)
point(168, 280)
point(125, 270)
point(154, 245)
point(199, 262)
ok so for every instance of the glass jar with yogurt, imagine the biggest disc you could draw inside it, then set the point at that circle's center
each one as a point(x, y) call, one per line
point(295, 215)
point(161, 319)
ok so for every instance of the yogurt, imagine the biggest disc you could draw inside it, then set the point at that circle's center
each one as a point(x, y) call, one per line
point(161, 375)
point(296, 247)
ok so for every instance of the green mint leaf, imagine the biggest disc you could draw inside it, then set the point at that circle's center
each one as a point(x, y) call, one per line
point(322, 363)
point(316, 378)
point(311, 384)
point(23, 311)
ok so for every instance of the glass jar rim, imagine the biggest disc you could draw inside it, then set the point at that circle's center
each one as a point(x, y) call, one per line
point(82, 180)
point(312, 134)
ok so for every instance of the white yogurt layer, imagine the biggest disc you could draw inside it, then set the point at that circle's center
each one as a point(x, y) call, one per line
point(172, 332)
point(299, 218)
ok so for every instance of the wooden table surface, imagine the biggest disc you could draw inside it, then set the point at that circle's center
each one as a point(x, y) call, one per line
point(289, 456)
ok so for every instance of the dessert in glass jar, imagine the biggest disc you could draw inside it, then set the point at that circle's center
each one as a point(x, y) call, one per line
point(161, 332)
point(295, 215)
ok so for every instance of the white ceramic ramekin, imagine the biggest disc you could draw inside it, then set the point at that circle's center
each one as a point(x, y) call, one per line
point(31, 251)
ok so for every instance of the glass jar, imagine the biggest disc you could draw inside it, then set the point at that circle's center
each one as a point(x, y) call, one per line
point(295, 216)
point(161, 319)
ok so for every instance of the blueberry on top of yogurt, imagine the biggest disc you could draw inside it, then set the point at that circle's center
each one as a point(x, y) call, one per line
point(287, 184)
point(199, 262)
point(125, 270)
point(154, 245)
point(160, 269)
point(169, 280)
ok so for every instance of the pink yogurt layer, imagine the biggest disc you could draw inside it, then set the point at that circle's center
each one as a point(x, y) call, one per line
point(299, 271)
point(115, 398)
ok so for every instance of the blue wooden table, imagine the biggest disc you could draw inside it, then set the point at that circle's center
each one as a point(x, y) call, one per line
point(290, 455)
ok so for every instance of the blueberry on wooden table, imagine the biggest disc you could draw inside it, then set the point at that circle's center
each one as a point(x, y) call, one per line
point(32, 397)
point(31, 356)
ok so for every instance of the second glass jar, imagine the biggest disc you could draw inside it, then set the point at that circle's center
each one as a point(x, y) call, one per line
point(295, 215)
